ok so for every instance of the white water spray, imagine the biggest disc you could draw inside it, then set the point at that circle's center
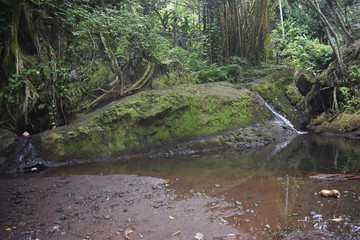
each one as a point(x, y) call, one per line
point(283, 119)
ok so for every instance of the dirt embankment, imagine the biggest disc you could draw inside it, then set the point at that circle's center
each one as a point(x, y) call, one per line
point(106, 207)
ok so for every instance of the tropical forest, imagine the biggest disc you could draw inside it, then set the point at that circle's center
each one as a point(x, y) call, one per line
point(180, 119)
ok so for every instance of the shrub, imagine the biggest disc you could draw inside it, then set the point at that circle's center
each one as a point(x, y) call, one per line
point(309, 54)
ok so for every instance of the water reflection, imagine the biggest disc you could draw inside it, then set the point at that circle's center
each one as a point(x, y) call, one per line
point(264, 187)
point(305, 153)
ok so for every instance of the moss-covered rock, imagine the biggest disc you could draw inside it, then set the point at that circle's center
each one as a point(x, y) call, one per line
point(273, 89)
point(344, 86)
point(293, 95)
point(154, 118)
point(287, 91)
point(346, 122)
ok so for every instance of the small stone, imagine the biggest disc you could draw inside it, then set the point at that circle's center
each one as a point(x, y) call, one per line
point(59, 210)
point(25, 134)
point(199, 236)
point(238, 203)
point(223, 221)
point(217, 185)
point(55, 228)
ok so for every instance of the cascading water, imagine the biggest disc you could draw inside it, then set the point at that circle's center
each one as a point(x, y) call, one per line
point(283, 119)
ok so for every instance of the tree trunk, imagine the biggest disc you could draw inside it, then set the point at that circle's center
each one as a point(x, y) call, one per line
point(282, 20)
point(114, 63)
point(330, 34)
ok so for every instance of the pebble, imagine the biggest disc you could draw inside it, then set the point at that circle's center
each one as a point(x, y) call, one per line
point(199, 236)
point(59, 210)
point(223, 221)
point(238, 203)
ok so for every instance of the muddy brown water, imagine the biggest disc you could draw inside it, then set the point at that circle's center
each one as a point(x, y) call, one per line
point(269, 187)
point(267, 191)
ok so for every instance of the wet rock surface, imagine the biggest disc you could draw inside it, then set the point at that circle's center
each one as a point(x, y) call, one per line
point(18, 154)
point(105, 207)
point(9, 141)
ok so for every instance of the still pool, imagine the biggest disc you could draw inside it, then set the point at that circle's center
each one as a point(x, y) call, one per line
point(267, 190)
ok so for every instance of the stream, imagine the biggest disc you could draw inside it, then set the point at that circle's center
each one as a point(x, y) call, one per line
point(265, 192)
point(268, 189)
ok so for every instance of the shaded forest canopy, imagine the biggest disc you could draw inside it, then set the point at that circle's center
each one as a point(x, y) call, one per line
point(62, 58)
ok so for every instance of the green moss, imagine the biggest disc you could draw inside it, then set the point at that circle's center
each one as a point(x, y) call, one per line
point(173, 79)
point(293, 94)
point(156, 118)
point(102, 74)
point(273, 89)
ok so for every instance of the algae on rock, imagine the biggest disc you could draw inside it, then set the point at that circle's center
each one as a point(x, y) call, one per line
point(288, 91)
point(154, 118)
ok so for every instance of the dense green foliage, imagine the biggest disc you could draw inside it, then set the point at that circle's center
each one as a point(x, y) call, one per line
point(60, 59)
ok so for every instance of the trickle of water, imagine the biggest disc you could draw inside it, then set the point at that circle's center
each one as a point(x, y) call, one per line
point(283, 119)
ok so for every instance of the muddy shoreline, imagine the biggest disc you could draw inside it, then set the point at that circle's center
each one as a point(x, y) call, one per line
point(132, 207)
point(106, 207)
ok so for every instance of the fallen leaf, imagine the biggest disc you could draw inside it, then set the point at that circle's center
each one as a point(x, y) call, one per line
point(171, 217)
point(8, 229)
point(337, 219)
point(176, 233)
point(127, 232)
point(107, 199)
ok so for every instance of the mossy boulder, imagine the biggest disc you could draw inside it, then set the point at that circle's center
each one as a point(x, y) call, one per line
point(154, 118)
point(346, 122)
point(287, 90)
point(273, 89)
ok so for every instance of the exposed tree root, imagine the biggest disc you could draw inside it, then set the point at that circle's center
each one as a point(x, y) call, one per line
point(113, 93)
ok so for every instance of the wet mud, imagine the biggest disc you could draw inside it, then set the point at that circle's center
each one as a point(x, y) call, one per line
point(106, 207)
point(132, 207)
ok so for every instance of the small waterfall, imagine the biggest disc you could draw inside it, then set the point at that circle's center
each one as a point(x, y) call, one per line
point(283, 119)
